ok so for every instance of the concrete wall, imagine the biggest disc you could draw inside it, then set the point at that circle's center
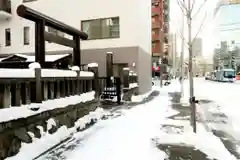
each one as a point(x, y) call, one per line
point(129, 55)
point(135, 30)
point(72, 12)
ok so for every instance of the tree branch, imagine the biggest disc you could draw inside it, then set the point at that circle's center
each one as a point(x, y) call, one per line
point(200, 28)
point(193, 4)
point(182, 7)
point(182, 38)
point(199, 9)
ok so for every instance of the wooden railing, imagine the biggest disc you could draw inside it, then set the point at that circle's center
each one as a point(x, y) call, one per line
point(24, 86)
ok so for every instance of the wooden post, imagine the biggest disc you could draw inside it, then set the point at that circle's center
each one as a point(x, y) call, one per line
point(118, 89)
point(40, 42)
point(62, 89)
point(95, 86)
point(28, 92)
point(84, 85)
point(7, 96)
point(76, 51)
point(57, 89)
point(16, 94)
point(78, 83)
point(73, 87)
point(126, 77)
point(67, 87)
point(24, 93)
point(90, 83)
point(38, 85)
point(109, 68)
point(50, 90)
point(45, 91)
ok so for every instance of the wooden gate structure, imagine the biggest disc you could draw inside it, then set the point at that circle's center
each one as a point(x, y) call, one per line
point(41, 35)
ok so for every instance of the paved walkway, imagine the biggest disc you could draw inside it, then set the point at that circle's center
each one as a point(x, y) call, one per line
point(211, 121)
point(179, 151)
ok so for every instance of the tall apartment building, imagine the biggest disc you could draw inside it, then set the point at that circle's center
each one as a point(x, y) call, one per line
point(160, 25)
point(110, 29)
point(227, 26)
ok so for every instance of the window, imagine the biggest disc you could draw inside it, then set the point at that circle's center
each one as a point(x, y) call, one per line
point(26, 36)
point(7, 37)
point(102, 28)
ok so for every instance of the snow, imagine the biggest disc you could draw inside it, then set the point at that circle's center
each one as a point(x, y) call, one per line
point(30, 73)
point(75, 68)
point(92, 65)
point(86, 74)
point(38, 146)
point(128, 136)
point(23, 111)
point(126, 68)
point(131, 135)
point(223, 95)
point(51, 123)
point(132, 73)
point(133, 85)
point(34, 65)
point(200, 140)
point(109, 52)
point(141, 97)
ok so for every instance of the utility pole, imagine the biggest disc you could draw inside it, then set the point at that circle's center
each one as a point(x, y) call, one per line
point(190, 65)
point(182, 53)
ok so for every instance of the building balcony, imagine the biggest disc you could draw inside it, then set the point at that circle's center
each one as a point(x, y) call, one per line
point(156, 25)
point(156, 54)
point(155, 11)
point(155, 37)
point(5, 9)
point(157, 50)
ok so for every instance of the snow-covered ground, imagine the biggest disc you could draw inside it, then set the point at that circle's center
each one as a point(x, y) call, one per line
point(225, 95)
point(134, 134)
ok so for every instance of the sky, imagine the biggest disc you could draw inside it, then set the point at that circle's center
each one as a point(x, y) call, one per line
point(207, 29)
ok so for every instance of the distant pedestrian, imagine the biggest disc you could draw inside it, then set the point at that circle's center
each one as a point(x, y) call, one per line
point(180, 79)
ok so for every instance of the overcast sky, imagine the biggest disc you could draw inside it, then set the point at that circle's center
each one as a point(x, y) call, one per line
point(206, 31)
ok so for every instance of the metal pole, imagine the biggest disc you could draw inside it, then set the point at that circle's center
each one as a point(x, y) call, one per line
point(182, 54)
point(190, 65)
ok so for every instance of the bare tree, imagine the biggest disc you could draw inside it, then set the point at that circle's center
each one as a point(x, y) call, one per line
point(188, 9)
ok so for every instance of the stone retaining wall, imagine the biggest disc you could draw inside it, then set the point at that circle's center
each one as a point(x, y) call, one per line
point(13, 133)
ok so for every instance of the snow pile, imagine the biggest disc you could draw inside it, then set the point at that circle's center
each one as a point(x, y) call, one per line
point(92, 65)
point(133, 85)
point(12, 113)
point(141, 97)
point(200, 140)
point(50, 123)
point(34, 65)
point(75, 68)
point(126, 137)
point(40, 145)
point(30, 73)
point(95, 116)
point(86, 74)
